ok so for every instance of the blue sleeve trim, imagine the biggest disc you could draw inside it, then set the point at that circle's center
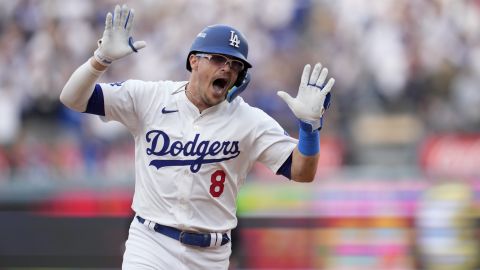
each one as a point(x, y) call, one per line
point(95, 103)
point(286, 168)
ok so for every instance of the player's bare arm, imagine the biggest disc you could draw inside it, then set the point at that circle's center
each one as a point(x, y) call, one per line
point(312, 100)
point(115, 43)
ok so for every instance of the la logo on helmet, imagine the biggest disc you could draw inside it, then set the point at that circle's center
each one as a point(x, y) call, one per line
point(234, 40)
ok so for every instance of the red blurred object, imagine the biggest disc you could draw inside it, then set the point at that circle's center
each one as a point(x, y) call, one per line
point(279, 248)
point(451, 155)
point(87, 204)
point(331, 155)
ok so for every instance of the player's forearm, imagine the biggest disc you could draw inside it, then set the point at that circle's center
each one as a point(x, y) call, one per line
point(305, 156)
point(79, 87)
point(304, 167)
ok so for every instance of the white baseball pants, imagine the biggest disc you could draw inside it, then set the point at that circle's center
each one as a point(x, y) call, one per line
point(147, 249)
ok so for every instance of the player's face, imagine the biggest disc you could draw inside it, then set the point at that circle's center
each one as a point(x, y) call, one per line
point(212, 77)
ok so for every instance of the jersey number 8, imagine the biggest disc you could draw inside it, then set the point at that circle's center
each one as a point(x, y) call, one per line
point(218, 183)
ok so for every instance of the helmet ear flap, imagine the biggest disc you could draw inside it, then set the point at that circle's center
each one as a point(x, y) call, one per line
point(241, 77)
point(239, 87)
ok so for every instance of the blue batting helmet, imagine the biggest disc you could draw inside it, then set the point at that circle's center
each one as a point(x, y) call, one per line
point(222, 39)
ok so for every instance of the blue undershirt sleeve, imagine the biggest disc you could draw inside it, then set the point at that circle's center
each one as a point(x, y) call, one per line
point(286, 168)
point(95, 103)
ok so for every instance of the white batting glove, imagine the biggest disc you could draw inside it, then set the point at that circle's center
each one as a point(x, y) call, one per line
point(116, 41)
point(311, 100)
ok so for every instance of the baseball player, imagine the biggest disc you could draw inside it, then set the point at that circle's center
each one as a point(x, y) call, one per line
point(195, 141)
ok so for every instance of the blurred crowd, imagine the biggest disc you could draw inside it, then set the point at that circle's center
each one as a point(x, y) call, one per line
point(418, 61)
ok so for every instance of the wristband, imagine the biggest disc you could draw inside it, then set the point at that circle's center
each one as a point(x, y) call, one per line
point(94, 71)
point(311, 125)
point(102, 59)
point(308, 140)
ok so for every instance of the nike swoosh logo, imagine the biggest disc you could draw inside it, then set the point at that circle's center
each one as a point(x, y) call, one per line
point(165, 111)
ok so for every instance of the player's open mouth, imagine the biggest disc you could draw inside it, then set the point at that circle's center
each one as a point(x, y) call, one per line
point(220, 85)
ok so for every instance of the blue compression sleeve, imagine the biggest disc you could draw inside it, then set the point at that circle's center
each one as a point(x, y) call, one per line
point(96, 103)
point(308, 141)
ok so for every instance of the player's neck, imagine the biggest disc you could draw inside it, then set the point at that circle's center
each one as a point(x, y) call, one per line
point(194, 99)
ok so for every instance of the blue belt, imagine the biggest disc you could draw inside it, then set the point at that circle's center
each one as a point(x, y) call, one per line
point(188, 238)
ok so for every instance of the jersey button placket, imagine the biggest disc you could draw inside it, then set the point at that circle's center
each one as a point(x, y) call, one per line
point(195, 125)
point(185, 211)
point(184, 195)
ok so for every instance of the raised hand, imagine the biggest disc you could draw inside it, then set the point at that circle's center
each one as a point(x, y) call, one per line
point(116, 41)
point(313, 96)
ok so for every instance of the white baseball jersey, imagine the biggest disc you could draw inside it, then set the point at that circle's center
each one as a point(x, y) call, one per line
point(189, 166)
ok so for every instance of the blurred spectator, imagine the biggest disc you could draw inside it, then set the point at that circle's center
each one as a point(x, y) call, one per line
point(419, 59)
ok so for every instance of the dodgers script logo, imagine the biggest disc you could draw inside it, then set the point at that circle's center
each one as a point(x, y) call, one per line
point(195, 153)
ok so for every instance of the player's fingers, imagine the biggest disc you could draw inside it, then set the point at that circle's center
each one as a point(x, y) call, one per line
point(117, 16)
point(322, 77)
point(329, 85)
point(286, 97)
point(305, 74)
point(123, 16)
point(139, 44)
point(127, 18)
point(129, 23)
point(108, 21)
point(315, 73)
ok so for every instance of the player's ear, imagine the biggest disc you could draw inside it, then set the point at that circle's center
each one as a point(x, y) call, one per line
point(193, 61)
